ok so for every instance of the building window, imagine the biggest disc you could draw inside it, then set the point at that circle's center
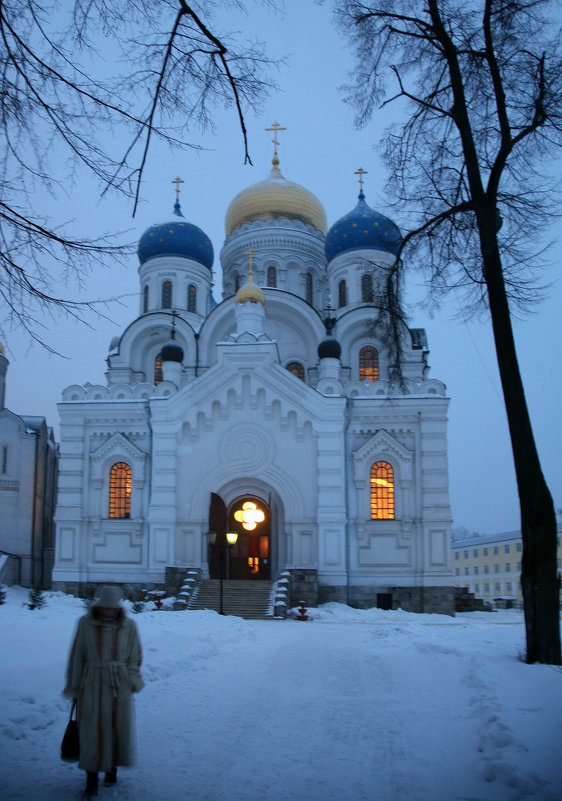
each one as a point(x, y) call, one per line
point(382, 491)
point(497, 586)
point(496, 550)
point(367, 288)
point(297, 369)
point(496, 568)
point(120, 491)
point(465, 554)
point(191, 298)
point(477, 587)
point(457, 571)
point(518, 547)
point(467, 571)
point(508, 586)
point(368, 363)
point(486, 569)
point(237, 282)
point(309, 288)
point(167, 295)
point(342, 294)
point(518, 565)
point(486, 588)
point(145, 299)
point(158, 374)
point(506, 548)
point(476, 571)
point(475, 553)
point(485, 551)
point(271, 276)
point(508, 567)
point(457, 555)
point(4, 458)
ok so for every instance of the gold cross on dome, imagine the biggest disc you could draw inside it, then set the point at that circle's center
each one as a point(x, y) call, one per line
point(177, 182)
point(275, 128)
point(250, 253)
point(360, 172)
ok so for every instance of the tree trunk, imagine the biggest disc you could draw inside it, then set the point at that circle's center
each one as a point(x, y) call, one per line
point(539, 579)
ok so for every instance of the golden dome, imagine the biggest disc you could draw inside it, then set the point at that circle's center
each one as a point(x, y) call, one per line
point(250, 292)
point(275, 197)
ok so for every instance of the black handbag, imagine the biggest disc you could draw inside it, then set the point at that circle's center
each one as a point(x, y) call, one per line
point(70, 746)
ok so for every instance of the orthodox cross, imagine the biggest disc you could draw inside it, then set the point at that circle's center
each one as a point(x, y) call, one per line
point(250, 253)
point(275, 128)
point(177, 182)
point(360, 172)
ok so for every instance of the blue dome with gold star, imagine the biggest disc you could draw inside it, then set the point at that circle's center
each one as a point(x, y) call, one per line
point(362, 228)
point(177, 238)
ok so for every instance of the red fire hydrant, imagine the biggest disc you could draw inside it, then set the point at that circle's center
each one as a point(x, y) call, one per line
point(302, 610)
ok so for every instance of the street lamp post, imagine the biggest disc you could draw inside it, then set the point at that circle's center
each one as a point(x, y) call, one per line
point(225, 542)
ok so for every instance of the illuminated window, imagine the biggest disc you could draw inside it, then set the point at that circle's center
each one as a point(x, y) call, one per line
point(309, 288)
point(342, 294)
point(158, 374)
point(271, 276)
point(191, 298)
point(367, 288)
point(297, 369)
point(120, 491)
point(167, 295)
point(145, 299)
point(382, 491)
point(368, 364)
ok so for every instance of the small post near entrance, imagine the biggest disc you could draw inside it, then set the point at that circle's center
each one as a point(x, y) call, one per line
point(223, 544)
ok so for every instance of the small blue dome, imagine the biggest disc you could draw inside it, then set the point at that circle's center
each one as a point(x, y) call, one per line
point(177, 238)
point(329, 348)
point(172, 352)
point(362, 228)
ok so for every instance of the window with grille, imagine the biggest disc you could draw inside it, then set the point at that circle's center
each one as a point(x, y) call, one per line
point(367, 288)
point(158, 374)
point(368, 364)
point(120, 491)
point(382, 491)
point(297, 369)
point(309, 288)
point(342, 294)
point(145, 299)
point(271, 276)
point(167, 295)
point(191, 298)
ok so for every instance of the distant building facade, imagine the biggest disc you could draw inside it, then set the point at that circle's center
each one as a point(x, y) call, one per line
point(28, 485)
point(490, 567)
point(279, 400)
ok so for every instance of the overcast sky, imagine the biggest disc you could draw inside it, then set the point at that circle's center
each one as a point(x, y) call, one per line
point(321, 150)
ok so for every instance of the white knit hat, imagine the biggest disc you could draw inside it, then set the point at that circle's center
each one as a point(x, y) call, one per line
point(110, 597)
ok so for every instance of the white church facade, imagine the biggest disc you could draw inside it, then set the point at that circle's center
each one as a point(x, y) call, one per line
point(278, 400)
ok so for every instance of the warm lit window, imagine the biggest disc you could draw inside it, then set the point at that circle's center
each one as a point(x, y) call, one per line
point(368, 364)
point(145, 299)
point(120, 491)
point(167, 295)
point(158, 374)
point(382, 491)
point(367, 288)
point(342, 294)
point(191, 298)
point(271, 276)
point(309, 288)
point(297, 369)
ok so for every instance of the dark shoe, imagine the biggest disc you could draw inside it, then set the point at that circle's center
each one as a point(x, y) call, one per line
point(110, 778)
point(91, 785)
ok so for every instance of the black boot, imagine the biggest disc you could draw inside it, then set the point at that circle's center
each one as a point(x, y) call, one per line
point(111, 777)
point(91, 784)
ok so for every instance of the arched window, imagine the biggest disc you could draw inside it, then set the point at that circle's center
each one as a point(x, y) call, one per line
point(120, 491)
point(191, 298)
point(158, 374)
point(368, 363)
point(367, 288)
point(297, 369)
point(309, 288)
point(237, 282)
point(382, 491)
point(271, 276)
point(145, 299)
point(167, 295)
point(342, 294)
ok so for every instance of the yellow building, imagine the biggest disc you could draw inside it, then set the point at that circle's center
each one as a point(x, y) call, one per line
point(490, 567)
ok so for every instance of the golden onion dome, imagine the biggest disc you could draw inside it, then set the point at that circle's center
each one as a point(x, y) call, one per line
point(250, 292)
point(275, 198)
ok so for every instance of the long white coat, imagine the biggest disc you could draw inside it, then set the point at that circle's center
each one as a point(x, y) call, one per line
point(103, 673)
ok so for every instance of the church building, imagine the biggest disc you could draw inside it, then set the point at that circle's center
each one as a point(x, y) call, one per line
point(278, 401)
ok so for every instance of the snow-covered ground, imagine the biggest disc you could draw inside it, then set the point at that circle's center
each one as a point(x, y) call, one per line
point(352, 705)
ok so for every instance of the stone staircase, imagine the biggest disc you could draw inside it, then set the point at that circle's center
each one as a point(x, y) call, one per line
point(248, 599)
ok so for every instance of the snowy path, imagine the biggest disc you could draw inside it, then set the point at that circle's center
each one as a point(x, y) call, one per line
point(351, 707)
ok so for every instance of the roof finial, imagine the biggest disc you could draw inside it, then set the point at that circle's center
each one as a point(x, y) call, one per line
point(177, 209)
point(250, 253)
point(275, 128)
point(361, 172)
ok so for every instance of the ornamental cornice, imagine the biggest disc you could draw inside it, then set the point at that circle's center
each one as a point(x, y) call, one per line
point(117, 444)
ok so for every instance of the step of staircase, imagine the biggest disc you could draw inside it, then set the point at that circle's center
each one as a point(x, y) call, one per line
point(247, 599)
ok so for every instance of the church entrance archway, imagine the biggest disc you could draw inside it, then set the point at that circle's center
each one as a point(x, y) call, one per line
point(250, 557)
